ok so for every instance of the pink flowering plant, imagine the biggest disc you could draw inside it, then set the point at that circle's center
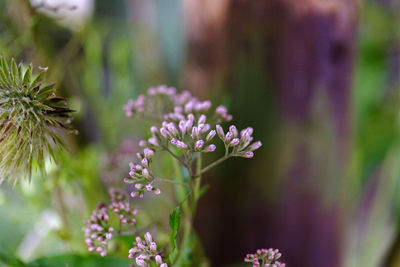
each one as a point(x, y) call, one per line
point(186, 129)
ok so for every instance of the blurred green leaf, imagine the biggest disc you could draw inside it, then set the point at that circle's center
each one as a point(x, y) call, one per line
point(10, 260)
point(174, 223)
point(72, 260)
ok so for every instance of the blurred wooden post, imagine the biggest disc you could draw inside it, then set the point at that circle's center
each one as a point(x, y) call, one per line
point(308, 50)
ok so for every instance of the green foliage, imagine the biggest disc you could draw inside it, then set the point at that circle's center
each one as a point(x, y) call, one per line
point(31, 118)
point(79, 260)
point(174, 223)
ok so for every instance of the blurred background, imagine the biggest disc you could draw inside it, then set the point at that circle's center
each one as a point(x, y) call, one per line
point(318, 80)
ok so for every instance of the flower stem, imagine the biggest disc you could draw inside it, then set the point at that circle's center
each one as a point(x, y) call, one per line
point(180, 191)
point(212, 165)
point(172, 181)
point(173, 154)
point(189, 216)
point(197, 184)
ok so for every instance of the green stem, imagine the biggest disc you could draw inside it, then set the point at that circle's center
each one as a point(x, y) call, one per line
point(189, 216)
point(172, 181)
point(212, 165)
point(173, 154)
point(180, 191)
point(197, 184)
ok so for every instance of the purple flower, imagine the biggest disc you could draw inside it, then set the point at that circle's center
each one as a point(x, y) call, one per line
point(255, 146)
point(210, 135)
point(210, 148)
point(148, 153)
point(145, 252)
point(269, 257)
point(199, 145)
point(220, 132)
point(98, 230)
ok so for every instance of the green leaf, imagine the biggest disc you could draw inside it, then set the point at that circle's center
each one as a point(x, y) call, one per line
point(27, 76)
point(203, 190)
point(38, 79)
point(10, 260)
point(14, 73)
point(79, 260)
point(174, 223)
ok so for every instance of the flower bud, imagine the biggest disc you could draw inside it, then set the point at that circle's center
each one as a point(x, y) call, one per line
point(182, 126)
point(140, 262)
point(164, 132)
point(248, 154)
point(172, 129)
point(191, 117)
point(221, 110)
point(181, 144)
point(148, 153)
point(234, 142)
point(228, 137)
point(145, 162)
point(233, 130)
point(142, 143)
point(154, 130)
point(189, 106)
point(153, 141)
point(255, 146)
point(210, 135)
point(138, 167)
point(195, 133)
point(158, 259)
point(153, 246)
point(148, 237)
point(188, 125)
point(209, 148)
point(145, 173)
point(199, 145)
point(138, 186)
point(220, 132)
point(202, 119)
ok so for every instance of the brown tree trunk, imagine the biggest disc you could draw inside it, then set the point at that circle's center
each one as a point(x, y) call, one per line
point(304, 50)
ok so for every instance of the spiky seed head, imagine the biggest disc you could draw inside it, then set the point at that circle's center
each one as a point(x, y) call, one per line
point(31, 120)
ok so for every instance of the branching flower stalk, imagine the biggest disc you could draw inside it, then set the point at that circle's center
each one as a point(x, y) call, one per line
point(185, 132)
point(32, 119)
point(185, 128)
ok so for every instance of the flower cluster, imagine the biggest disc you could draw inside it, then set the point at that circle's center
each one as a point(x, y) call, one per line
point(121, 206)
point(145, 252)
point(265, 257)
point(169, 105)
point(238, 145)
point(140, 174)
point(190, 134)
point(186, 125)
point(98, 230)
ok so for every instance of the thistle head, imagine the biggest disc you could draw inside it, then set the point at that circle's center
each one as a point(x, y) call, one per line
point(31, 120)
